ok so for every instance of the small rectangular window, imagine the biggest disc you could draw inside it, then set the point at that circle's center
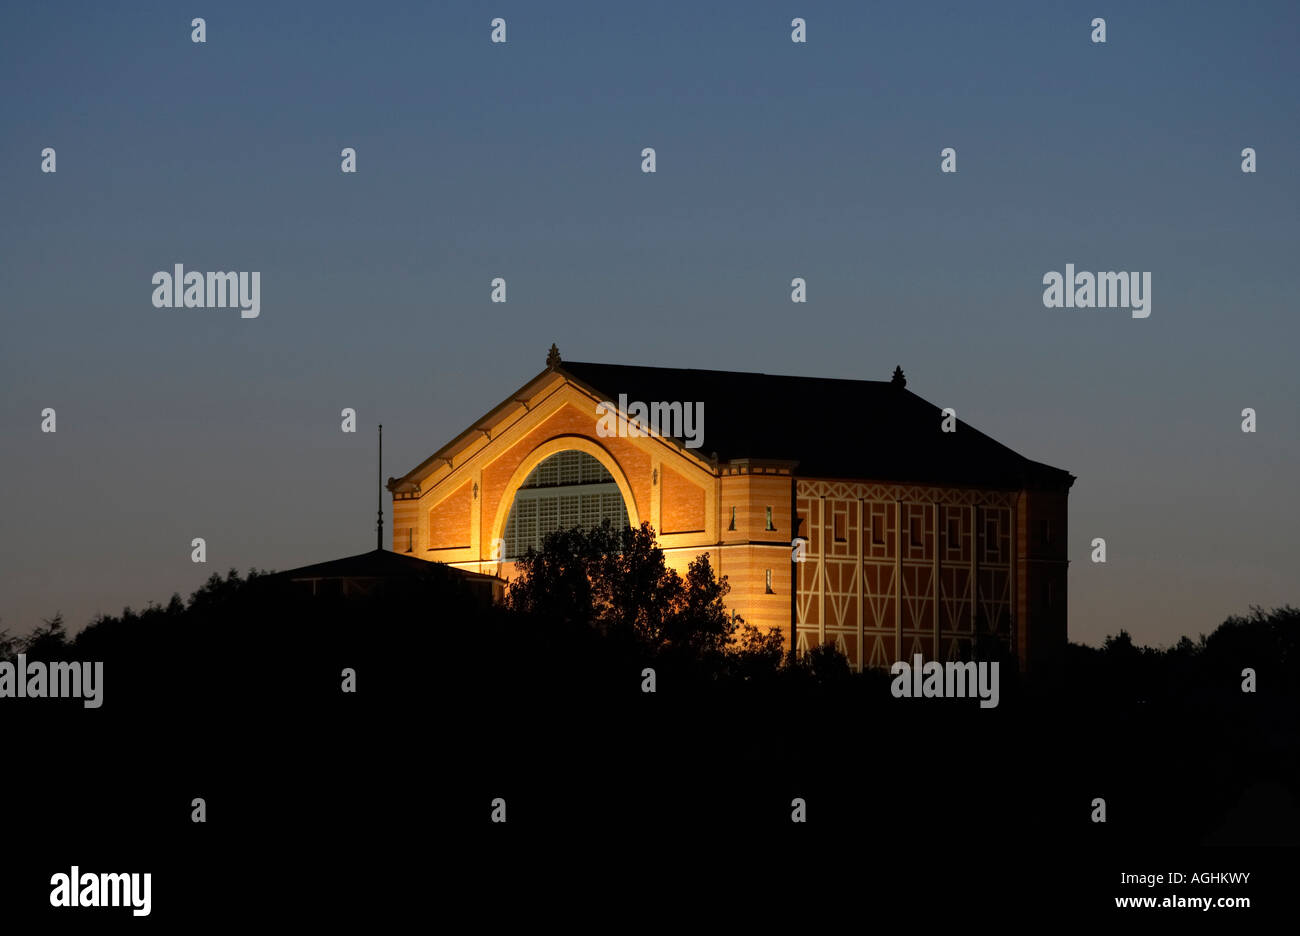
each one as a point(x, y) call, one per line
point(877, 531)
point(769, 582)
point(733, 518)
point(954, 538)
point(769, 519)
point(410, 538)
point(840, 535)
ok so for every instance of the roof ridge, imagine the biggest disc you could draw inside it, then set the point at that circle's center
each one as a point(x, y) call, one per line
point(707, 370)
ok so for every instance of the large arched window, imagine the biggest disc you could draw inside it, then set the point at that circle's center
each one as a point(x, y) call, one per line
point(569, 489)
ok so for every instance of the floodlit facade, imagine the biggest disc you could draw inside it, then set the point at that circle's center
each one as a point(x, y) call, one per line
point(846, 512)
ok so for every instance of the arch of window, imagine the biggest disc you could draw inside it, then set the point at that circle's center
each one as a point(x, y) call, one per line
point(568, 489)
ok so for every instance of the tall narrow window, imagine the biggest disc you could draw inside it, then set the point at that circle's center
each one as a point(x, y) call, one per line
point(733, 517)
point(769, 582)
point(410, 538)
point(840, 533)
point(769, 519)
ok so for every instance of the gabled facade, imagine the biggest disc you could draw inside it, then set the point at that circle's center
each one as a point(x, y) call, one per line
point(840, 511)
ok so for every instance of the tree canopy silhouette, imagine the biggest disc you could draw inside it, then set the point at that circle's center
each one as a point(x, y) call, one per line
point(617, 583)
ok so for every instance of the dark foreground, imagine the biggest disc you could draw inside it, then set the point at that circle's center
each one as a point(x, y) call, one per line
point(620, 806)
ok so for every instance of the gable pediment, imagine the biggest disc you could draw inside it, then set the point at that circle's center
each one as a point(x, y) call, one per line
point(554, 403)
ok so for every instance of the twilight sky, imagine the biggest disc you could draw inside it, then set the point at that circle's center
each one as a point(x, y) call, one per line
point(522, 160)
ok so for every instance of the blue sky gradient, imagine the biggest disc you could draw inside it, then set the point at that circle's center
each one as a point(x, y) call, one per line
point(522, 160)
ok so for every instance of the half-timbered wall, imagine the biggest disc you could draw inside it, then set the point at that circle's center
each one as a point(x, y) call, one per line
point(895, 570)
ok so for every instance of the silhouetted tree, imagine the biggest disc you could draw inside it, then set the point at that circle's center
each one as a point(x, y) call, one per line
point(47, 642)
point(636, 594)
point(753, 653)
point(825, 664)
point(617, 582)
point(701, 625)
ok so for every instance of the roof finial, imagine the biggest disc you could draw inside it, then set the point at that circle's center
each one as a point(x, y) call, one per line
point(899, 380)
point(553, 356)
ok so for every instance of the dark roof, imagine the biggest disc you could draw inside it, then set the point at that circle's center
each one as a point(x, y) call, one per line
point(378, 563)
point(858, 429)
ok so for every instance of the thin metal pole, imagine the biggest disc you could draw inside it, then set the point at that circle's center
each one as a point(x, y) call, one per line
point(379, 529)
